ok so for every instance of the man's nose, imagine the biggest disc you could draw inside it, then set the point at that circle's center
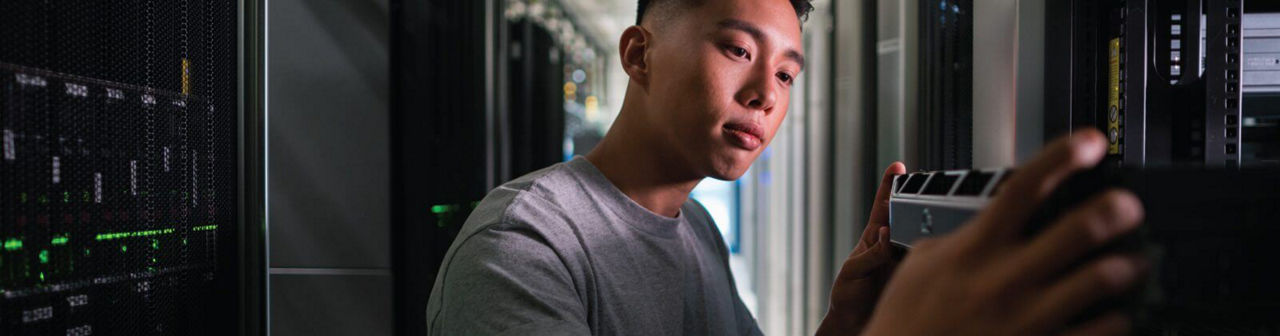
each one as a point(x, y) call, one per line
point(760, 92)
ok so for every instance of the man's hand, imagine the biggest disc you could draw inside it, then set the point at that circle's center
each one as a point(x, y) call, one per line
point(865, 272)
point(989, 278)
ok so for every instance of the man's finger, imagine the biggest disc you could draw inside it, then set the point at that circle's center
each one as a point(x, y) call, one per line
point(862, 263)
point(1031, 184)
point(1102, 278)
point(880, 207)
point(1093, 224)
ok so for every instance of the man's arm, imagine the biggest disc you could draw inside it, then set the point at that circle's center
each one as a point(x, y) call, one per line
point(507, 280)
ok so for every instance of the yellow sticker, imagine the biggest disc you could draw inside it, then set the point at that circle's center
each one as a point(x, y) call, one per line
point(1113, 98)
point(186, 76)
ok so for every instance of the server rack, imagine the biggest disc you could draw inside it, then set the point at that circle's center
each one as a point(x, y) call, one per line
point(535, 83)
point(132, 199)
point(443, 135)
point(1165, 80)
point(946, 84)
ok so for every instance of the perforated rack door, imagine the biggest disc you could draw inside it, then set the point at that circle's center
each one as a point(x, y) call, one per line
point(118, 173)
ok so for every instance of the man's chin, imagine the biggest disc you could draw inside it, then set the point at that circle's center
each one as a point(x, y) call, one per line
point(730, 171)
point(729, 176)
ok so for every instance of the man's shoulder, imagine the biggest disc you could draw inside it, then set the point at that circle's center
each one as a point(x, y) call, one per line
point(515, 242)
point(535, 200)
point(519, 224)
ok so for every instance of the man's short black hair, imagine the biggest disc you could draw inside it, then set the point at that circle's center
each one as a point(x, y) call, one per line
point(803, 7)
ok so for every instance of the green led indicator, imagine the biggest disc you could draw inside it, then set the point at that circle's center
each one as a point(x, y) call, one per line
point(205, 228)
point(23, 196)
point(84, 196)
point(12, 244)
point(41, 276)
point(155, 244)
point(86, 252)
point(445, 212)
point(44, 256)
point(66, 197)
point(132, 234)
point(124, 248)
point(58, 240)
point(44, 199)
point(184, 241)
point(441, 208)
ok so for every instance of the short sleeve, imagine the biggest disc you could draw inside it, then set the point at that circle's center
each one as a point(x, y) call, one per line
point(507, 280)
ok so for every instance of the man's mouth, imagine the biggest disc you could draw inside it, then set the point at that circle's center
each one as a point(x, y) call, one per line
point(748, 136)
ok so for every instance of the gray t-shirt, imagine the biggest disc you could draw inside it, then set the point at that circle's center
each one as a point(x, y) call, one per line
point(562, 251)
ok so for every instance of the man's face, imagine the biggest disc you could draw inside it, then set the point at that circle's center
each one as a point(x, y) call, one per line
point(720, 81)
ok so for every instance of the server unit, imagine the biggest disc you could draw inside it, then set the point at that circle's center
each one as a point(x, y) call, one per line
point(1260, 77)
point(1182, 83)
point(130, 184)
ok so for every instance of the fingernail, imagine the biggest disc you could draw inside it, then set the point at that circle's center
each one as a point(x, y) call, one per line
point(1086, 138)
point(1088, 146)
point(1132, 209)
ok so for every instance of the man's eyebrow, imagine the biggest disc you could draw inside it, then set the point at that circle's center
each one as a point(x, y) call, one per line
point(756, 33)
point(744, 26)
point(796, 56)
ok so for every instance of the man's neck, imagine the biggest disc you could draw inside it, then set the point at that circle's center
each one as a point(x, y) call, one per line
point(643, 170)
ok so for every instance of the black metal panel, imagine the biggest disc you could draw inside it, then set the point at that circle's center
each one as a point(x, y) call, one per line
point(1076, 46)
point(1175, 105)
point(364, 301)
point(1223, 41)
point(536, 103)
point(1133, 22)
point(1180, 130)
point(122, 174)
point(946, 84)
point(1060, 67)
point(441, 154)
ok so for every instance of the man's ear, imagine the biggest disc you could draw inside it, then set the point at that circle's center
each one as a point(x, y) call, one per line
point(634, 51)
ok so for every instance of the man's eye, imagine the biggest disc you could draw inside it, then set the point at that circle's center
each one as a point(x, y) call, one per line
point(785, 77)
point(737, 51)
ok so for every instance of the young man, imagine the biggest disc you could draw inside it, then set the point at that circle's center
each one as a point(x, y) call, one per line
point(611, 244)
